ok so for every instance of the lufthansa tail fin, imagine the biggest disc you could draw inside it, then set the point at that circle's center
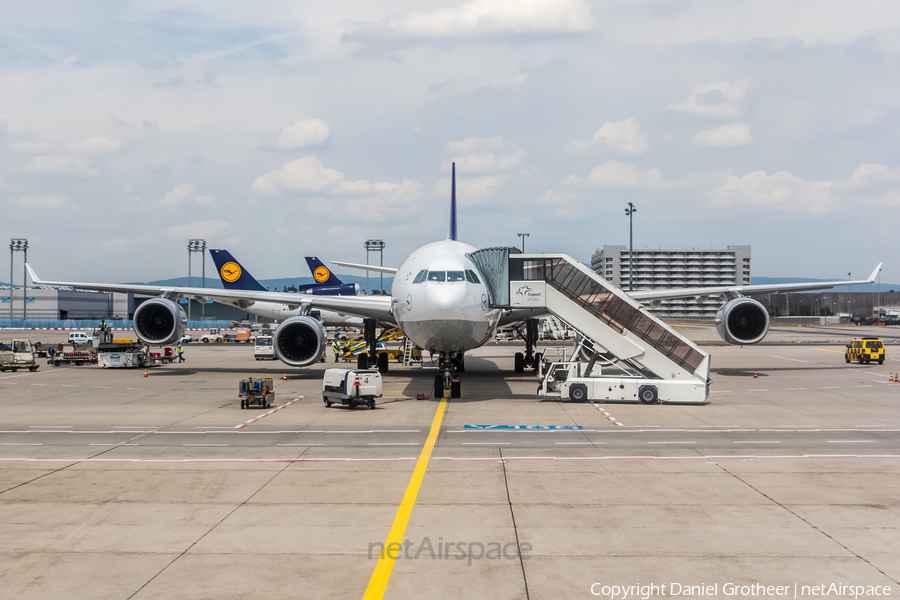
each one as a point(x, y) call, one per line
point(453, 202)
point(232, 274)
point(321, 274)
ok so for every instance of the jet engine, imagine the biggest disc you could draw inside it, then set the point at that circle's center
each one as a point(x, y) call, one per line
point(742, 321)
point(299, 341)
point(159, 322)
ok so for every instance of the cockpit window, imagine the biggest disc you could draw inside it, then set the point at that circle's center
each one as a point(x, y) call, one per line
point(471, 277)
point(420, 277)
point(456, 276)
point(436, 275)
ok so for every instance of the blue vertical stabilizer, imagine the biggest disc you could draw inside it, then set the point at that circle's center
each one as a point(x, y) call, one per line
point(232, 274)
point(321, 274)
point(453, 202)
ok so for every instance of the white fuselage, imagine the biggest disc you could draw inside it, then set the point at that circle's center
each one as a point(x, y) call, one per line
point(447, 309)
point(281, 312)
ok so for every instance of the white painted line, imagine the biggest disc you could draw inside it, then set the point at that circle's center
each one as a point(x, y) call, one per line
point(577, 443)
point(671, 442)
point(38, 384)
point(101, 444)
point(50, 426)
point(859, 386)
point(22, 444)
point(831, 387)
point(486, 443)
point(793, 359)
point(301, 444)
point(760, 442)
point(101, 387)
point(793, 389)
point(851, 441)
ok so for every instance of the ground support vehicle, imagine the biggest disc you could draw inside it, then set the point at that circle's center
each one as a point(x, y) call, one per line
point(576, 381)
point(218, 336)
point(77, 358)
point(351, 387)
point(865, 350)
point(264, 349)
point(112, 356)
point(256, 393)
point(20, 356)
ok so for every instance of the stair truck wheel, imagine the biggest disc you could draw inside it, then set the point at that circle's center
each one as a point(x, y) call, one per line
point(519, 362)
point(578, 392)
point(648, 394)
point(383, 360)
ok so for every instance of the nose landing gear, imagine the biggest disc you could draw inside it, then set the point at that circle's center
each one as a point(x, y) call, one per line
point(448, 379)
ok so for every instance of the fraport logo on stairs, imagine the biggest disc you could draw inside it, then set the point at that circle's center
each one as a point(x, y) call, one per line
point(522, 427)
point(529, 294)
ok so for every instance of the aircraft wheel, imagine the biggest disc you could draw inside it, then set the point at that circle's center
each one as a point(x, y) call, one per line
point(362, 360)
point(383, 362)
point(438, 386)
point(648, 394)
point(577, 392)
point(519, 362)
point(455, 389)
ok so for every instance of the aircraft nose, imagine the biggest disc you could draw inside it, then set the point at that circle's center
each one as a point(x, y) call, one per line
point(446, 300)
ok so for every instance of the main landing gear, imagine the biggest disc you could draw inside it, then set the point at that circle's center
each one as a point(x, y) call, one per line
point(530, 358)
point(362, 359)
point(451, 364)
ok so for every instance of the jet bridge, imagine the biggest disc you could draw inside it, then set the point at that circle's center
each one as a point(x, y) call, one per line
point(616, 324)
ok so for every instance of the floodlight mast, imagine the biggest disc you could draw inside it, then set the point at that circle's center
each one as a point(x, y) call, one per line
point(629, 212)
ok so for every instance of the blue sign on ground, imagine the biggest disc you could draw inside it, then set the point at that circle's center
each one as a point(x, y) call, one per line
point(522, 427)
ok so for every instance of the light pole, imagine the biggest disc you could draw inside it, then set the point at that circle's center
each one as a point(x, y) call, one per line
point(196, 245)
point(18, 245)
point(850, 298)
point(523, 236)
point(375, 246)
point(629, 212)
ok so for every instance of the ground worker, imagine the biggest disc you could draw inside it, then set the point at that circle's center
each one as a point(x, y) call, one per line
point(180, 350)
point(337, 349)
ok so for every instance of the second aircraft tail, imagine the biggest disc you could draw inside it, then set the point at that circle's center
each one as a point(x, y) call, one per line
point(232, 274)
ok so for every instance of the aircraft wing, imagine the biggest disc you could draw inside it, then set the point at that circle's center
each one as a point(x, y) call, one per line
point(745, 290)
point(375, 268)
point(373, 307)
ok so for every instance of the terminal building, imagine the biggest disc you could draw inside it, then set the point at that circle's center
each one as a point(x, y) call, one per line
point(658, 268)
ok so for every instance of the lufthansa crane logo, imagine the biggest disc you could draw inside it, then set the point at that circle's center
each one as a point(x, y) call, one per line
point(230, 272)
point(321, 274)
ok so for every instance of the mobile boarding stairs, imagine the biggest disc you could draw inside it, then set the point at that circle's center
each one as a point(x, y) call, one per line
point(632, 355)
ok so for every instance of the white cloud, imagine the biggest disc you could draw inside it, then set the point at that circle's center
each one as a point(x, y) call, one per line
point(68, 164)
point(185, 192)
point(306, 174)
point(486, 162)
point(474, 144)
point(616, 174)
point(303, 134)
point(623, 136)
point(491, 16)
point(43, 202)
point(472, 191)
point(721, 99)
point(197, 229)
point(782, 190)
point(736, 134)
point(97, 145)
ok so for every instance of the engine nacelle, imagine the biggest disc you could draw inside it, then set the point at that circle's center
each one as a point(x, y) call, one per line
point(159, 322)
point(742, 321)
point(299, 341)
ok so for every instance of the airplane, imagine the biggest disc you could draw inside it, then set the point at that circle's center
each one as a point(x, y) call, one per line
point(235, 277)
point(437, 299)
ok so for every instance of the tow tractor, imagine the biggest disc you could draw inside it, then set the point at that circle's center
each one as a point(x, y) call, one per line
point(19, 356)
point(132, 354)
point(351, 387)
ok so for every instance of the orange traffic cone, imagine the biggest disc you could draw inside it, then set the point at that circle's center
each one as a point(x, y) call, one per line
point(284, 378)
point(754, 375)
point(145, 372)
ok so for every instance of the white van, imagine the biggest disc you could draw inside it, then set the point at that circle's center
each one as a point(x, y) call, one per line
point(79, 337)
point(264, 348)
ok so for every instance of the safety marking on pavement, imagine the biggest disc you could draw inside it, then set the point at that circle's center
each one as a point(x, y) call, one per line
point(550, 427)
point(264, 415)
point(382, 573)
point(606, 414)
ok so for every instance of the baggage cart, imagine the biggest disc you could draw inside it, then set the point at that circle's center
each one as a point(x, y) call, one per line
point(256, 393)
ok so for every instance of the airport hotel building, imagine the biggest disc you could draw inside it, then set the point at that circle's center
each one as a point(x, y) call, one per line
point(657, 268)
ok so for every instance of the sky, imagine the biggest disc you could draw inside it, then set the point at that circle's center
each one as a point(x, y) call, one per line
point(284, 129)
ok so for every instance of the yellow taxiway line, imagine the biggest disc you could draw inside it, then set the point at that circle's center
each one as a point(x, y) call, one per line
point(382, 573)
